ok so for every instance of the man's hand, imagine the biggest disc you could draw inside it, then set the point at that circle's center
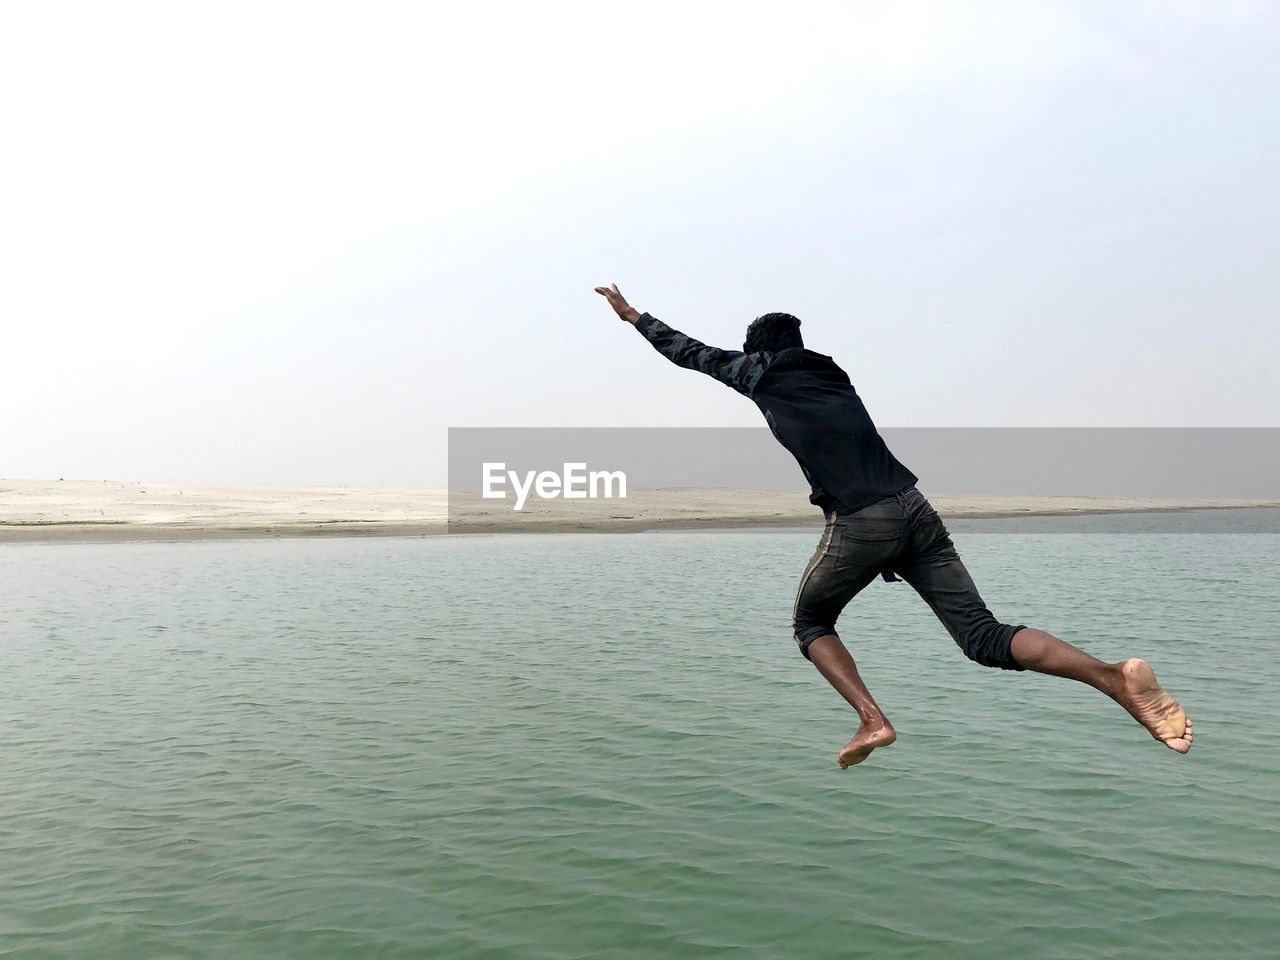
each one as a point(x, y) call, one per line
point(619, 304)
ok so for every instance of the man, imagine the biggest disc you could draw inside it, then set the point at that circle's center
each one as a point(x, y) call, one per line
point(878, 523)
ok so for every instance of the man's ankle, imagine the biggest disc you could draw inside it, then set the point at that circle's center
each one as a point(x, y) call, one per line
point(1113, 685)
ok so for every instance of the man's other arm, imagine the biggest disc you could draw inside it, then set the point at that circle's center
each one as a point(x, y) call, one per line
point(732, 367)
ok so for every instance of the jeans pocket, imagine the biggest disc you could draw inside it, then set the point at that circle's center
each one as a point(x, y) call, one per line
point(871, 529)
point(868, 542)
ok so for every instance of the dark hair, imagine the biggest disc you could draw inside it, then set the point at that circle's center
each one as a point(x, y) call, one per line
point(773, 331)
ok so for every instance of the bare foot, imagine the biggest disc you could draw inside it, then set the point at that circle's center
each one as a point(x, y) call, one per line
point(1149, 704)
point(879, 733)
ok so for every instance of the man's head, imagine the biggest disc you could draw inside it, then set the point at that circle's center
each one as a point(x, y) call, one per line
point(773, 331)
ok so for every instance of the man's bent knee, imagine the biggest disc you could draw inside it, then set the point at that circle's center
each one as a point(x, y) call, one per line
point(805, 635)
point(989, 645)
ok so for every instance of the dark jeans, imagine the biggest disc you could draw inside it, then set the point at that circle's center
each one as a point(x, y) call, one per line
point(903, 535)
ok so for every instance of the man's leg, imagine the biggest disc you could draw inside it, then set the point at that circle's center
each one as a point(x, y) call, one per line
point(940, 577)
point(844, 563)
point(1130, 683)
point(834, 662)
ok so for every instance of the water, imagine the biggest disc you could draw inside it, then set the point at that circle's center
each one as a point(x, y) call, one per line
point(561, 746)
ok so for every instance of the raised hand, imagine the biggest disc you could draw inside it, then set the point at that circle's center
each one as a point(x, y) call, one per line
point(619, 303)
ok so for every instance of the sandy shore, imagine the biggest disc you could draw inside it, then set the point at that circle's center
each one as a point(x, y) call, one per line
point(112, 510)
point(78, 510)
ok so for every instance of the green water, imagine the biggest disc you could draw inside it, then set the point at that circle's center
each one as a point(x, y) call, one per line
point(573, 746)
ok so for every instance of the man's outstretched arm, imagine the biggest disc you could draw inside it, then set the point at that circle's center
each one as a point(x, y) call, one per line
point(733, 367)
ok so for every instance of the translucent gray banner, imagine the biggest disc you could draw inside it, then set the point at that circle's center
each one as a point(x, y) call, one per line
point(626, 478)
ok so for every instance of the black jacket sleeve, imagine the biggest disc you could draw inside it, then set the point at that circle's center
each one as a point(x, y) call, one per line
point(739, 370)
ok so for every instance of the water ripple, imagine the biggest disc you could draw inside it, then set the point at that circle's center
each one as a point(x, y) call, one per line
point(514, 747)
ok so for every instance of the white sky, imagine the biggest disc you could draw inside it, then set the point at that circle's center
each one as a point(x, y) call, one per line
point(297, 242)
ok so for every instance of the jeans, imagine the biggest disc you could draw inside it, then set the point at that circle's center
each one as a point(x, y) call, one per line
point(900, 534)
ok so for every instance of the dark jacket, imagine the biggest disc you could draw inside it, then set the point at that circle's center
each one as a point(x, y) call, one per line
point(810, 406)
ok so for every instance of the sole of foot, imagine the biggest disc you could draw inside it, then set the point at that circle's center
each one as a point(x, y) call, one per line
point(1148, 703)
point(863, 742)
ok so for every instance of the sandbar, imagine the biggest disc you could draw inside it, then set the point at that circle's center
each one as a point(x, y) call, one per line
point(109, 510)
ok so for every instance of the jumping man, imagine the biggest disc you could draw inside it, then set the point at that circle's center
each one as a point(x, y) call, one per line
point(879, 524)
